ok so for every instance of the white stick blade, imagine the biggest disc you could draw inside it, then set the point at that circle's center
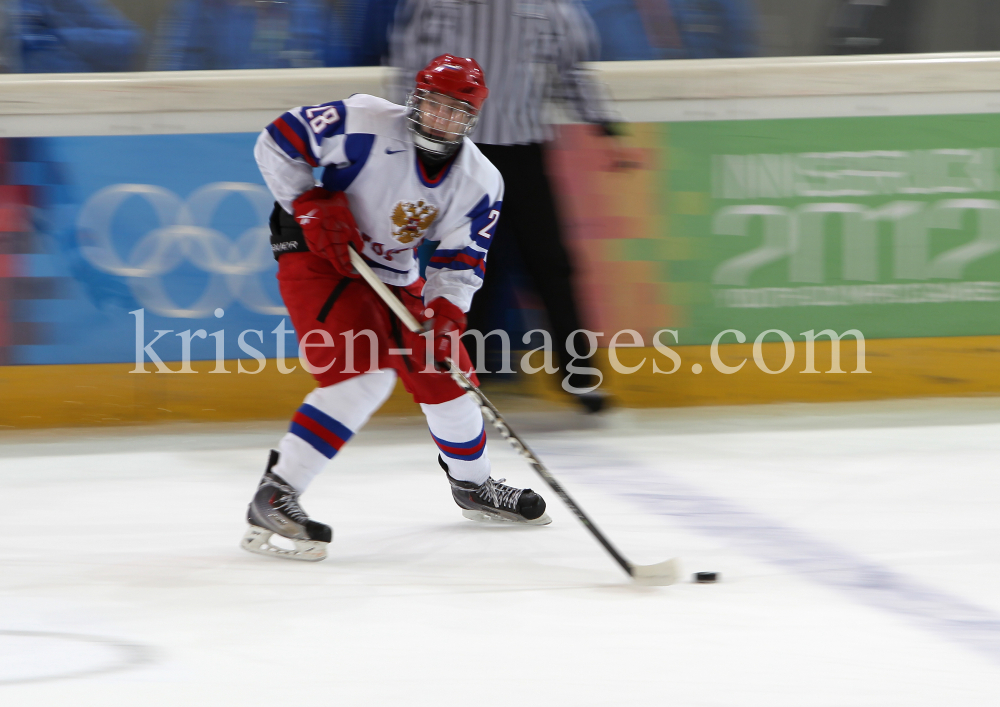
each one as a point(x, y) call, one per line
point(658, 575)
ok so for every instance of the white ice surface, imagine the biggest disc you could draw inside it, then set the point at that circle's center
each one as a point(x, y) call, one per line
point(859, 548)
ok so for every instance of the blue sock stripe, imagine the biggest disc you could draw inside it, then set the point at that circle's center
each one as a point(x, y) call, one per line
point(464, 451)
point(464, 457)
point(312, 438)
point(327, 421)
point(474, 442)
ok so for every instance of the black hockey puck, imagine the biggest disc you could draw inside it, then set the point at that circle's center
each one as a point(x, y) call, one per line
point(706, 577)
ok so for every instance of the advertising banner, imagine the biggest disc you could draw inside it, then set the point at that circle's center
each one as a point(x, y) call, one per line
point(112, 240)
point(118, 249)
point(886, 225)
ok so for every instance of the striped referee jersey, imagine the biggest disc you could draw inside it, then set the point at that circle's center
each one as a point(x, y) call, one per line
point(530, 50)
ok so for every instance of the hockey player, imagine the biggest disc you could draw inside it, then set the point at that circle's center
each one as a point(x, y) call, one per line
point(393, 176)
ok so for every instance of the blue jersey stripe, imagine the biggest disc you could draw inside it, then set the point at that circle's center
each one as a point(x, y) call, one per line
point(295, 123)
point(282, 142)
point(471, 250)
point(331, 129)
point(357, 147)
point(478, 268)
point(483, 225)
point(438, 180)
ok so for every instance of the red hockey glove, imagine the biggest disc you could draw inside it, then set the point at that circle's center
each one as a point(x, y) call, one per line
point(329, 227)
point(444, 318)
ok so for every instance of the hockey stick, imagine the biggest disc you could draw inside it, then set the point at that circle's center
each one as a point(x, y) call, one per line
point(661, 574)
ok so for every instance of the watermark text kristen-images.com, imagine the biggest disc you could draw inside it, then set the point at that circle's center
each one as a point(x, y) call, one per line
point(627, 338)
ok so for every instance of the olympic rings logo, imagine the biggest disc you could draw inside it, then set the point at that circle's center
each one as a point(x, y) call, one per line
point(184, 235)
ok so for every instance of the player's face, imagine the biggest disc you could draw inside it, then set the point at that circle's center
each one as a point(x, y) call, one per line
point(444, 117)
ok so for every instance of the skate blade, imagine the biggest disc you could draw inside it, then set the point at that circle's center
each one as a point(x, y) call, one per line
point(483, 517)
point(256, 540)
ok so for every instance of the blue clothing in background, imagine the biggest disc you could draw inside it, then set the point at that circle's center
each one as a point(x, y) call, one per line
point(250, 34)
point(634, 30)
point(624, 36)
point(373, 38)
point(713, 29)
point(57, 36)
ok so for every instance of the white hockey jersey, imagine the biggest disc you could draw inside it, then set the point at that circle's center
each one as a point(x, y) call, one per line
point(365, 147)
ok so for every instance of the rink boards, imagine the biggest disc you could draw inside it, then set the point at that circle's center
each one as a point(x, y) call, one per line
point(767, 199)
point(110, 394)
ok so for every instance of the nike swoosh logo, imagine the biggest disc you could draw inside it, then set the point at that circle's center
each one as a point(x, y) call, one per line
point(392, 152)
point(303, 220)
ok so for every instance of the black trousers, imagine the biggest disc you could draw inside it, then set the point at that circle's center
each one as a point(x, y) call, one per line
point(529, 231)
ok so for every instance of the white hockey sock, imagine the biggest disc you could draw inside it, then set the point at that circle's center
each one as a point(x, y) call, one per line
point(328, 418)
point(457, 429)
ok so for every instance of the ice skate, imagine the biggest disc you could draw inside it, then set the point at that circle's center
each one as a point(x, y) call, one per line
point(275, 509)
point(493, 501)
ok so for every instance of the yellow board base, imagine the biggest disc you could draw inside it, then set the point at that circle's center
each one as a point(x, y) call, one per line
point(900, 368)
point(109, 394)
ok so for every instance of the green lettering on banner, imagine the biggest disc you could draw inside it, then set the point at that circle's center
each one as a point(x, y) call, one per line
point(887, 225)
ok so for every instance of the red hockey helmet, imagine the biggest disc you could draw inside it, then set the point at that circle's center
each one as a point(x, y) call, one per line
point(444, 106)
point(455, 76)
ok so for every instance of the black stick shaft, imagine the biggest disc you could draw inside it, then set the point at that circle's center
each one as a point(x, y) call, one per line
point(411, 323)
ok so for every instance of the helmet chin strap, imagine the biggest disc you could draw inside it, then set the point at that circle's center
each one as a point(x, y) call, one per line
point(433, 153)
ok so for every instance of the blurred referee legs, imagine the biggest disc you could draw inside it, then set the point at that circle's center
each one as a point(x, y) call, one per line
point(529, 232)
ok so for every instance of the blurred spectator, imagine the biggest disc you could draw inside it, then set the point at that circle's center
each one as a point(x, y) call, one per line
point(6, 40)
point(872, 27)
point(57, 36)
point(633, 30)
point(373, 38)
point(253, 34)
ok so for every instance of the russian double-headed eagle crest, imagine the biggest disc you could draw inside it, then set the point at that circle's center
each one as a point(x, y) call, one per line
point(410, 220)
